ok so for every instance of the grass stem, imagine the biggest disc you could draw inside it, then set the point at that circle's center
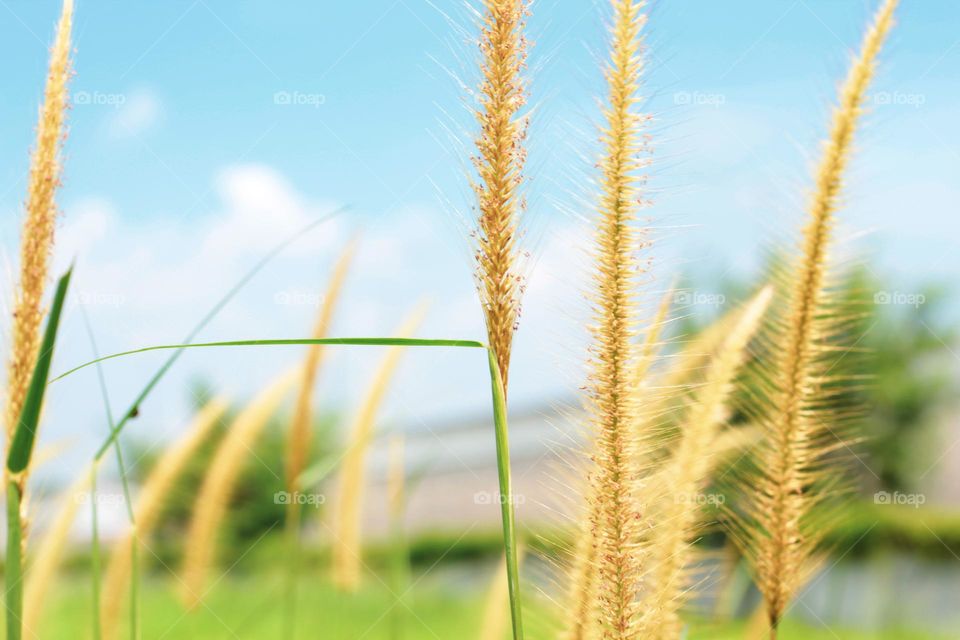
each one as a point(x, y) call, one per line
point(506, 493)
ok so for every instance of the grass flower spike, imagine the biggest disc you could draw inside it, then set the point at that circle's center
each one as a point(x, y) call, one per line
point(612, 502)
point(686, 474)
point(350, 490)
point(796, 406)
point(498, 186)
point(499, 163)
point(298, 442)
point(213, 499)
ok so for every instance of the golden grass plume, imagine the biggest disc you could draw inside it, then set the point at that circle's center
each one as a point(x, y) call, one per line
point(613, 501)
point(796, 404)
point(685, 476)
point(149, 507)
point(36, 242)
point(499, 163)
point(210, 506)
point(347, 554)
point(298, 440)
point(580, 616)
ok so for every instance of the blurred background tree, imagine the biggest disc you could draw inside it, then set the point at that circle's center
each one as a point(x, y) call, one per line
point(902, 339)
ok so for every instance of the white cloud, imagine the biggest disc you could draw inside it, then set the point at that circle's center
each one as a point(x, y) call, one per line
point(139, 112)
point(148, 281)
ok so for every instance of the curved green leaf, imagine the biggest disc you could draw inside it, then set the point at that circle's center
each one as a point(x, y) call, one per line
point(21, 447)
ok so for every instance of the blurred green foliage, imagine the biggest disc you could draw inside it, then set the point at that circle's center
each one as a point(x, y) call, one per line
point(899, 370)
point(254, 509)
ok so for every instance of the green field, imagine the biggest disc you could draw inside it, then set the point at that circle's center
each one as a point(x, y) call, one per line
point(251, 608)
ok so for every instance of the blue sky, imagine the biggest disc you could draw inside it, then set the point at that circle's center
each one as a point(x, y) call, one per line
point(203, 130)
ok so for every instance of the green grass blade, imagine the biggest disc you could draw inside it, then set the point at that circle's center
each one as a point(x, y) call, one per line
point(179, 349)
point(281, 342)
point(506, 494)
point(21, 447)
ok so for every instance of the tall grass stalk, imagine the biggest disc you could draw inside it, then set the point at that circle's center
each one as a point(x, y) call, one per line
point(298, 441)
point(798, 408)
point(300, 435)
point(610, 400)
point(499, 163)
point(36, 246)
point(13, 565)
point(349, 500)
point(95, 556)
